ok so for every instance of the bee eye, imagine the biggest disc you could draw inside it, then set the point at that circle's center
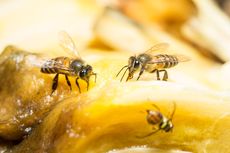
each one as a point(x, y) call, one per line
point(136, 64)
point(83, 73)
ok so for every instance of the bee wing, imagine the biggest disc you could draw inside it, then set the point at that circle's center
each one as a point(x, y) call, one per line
point(182, 58)
point(36, 61)
point(56, 65)
point(158, 47)
point(179, 58)
point(67, 43)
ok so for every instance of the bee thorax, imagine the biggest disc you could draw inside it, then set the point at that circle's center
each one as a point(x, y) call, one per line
point(77, 65)
point(144, 58)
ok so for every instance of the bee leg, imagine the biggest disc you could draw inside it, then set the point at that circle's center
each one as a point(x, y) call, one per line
point(78, 85)
point(158, 75)
point(149, 134)
point(141, 72)
point(165, 77)
point(154, 128)
point(87, 81)
point(157, 71)
point(156, 107)
point(68, 82)
point(55, 83)
point(95, 74)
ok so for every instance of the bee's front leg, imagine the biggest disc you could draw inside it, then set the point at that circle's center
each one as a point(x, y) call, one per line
point(141, 72)
point(55, 83)
point(87, 81)
point(78, 84)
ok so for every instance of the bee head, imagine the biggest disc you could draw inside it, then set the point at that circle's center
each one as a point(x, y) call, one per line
point(134, 65)
point(166, 125)
point(86, 72)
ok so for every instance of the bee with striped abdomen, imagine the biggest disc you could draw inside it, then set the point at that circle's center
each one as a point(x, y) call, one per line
point(74, 67)
point(150, 62)
point(159, 121)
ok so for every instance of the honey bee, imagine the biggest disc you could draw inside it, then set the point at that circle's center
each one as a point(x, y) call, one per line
point(68, 66)
point(159, 121)
point(150, 62)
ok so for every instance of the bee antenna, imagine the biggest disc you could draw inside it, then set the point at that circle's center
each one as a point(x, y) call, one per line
point(154, 105)
point(121, 70)
point(124, 74)
point(95, 74)
point(142, 111)
point(149, 134)
point(173, 112)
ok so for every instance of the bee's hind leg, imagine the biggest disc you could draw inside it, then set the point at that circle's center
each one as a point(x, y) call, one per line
point(68, 82)
point(55, 83)
point(165, 77)
point(157, 71)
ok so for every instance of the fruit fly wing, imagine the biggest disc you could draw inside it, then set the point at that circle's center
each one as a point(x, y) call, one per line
point(67, 43)
point(158, 47)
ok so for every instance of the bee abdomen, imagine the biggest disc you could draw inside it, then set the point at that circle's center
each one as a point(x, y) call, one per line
point(49, 67)
point(154, 117)
point(170, 61)
point(48, 70)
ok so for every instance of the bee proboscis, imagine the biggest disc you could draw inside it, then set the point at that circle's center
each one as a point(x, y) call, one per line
point(159, 121)
point(69, 66)
point(151, 62)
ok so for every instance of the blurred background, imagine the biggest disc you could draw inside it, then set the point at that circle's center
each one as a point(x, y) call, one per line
point(33, 25)
point(198, 29)
point(113, 30)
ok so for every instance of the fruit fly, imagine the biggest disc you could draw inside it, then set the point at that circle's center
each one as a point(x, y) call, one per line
point(151, 62)
point(73, 66)
point(159, 121)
